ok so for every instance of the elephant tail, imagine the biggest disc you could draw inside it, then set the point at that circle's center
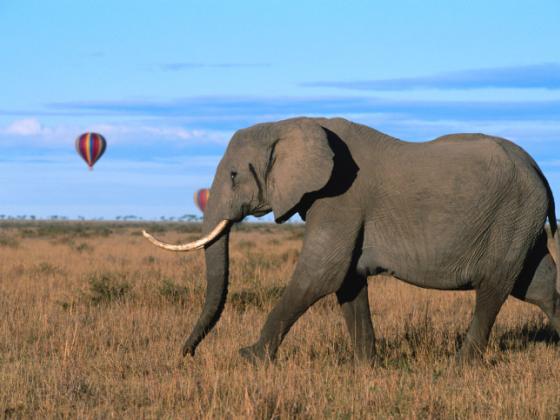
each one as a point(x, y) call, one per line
point(553, 241)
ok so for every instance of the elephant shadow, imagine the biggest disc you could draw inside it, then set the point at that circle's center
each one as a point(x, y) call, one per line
point(522, 337)
point(417, 339)
point(344, 173)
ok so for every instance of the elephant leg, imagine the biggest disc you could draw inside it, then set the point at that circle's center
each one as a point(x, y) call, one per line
point(324, 261)
point(540, 289)
point(489, 301)
point(353, 300)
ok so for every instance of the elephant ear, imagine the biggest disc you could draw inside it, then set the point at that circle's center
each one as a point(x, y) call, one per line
point(301, 161)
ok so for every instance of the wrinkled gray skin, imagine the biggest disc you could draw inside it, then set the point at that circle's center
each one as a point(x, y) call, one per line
point(464, 211)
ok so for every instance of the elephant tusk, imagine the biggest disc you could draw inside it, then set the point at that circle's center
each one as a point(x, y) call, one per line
point(199, 244)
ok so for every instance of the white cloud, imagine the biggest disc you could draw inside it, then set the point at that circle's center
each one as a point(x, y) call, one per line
point(33, 131)
point(25, 127)
point(160, 132)
point(54, 135)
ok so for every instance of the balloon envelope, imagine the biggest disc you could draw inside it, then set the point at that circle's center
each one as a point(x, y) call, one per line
point(91, 146)
point(201, 198)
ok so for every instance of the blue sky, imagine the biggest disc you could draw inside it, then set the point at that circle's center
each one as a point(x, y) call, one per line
point(168, 83)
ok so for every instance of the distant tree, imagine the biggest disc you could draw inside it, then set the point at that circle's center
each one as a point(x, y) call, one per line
point(190, 217)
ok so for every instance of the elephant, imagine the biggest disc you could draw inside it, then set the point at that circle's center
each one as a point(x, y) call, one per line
point(460, 212)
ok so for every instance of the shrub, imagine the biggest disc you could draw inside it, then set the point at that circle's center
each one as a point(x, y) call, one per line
point(150, 259)
point(83, 247)
point(108, 287)
point(173, 292)
point(245, 299)
point(46, 269)
point(8, 241)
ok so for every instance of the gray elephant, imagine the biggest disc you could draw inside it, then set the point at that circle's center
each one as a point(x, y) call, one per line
point(461, 212)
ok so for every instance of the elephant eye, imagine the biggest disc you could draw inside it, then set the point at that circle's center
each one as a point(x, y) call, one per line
point(232, 175)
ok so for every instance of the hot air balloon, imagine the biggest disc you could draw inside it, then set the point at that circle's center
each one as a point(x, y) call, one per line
point(201, 198)
point(91, 146)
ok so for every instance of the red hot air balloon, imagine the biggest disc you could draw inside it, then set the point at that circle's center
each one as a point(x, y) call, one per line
point(90, 146)
point(201, 198)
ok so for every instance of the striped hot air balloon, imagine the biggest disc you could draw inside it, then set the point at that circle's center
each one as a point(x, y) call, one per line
point(90, 146)
point(201, 198)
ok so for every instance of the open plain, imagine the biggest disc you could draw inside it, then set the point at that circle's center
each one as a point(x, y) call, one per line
point(92, 319)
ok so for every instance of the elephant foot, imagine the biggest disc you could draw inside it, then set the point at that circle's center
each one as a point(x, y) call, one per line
point(255, 354)
point(469, 354)
point(366, 356)
point(188, 348)
point(367, 361)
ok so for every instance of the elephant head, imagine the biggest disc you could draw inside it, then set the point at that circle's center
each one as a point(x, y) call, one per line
point(267, 167)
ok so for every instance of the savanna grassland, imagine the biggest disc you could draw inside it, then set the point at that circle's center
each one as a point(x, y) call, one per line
point(92, 318)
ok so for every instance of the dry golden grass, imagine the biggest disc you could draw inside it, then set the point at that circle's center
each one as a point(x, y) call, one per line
point(92, 318)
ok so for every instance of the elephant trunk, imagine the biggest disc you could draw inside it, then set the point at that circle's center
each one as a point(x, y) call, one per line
point(217, 276)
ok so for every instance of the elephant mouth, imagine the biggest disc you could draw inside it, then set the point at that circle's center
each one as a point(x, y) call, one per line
point(191, 246)
point(261, 210)
point(259, 213)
